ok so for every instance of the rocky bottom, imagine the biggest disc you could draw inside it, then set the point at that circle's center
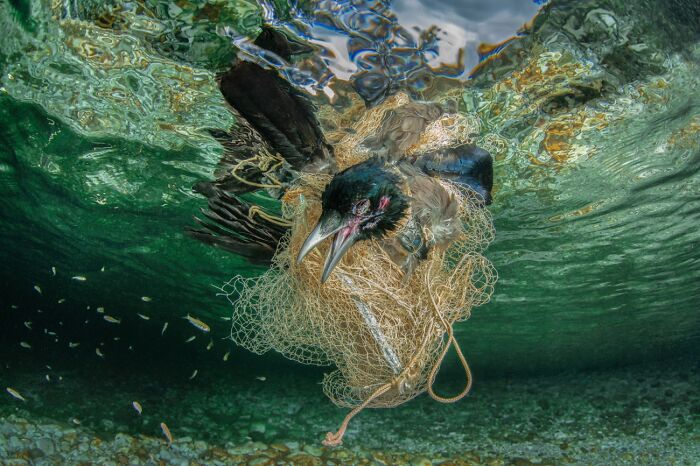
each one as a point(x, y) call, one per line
point(635, 415)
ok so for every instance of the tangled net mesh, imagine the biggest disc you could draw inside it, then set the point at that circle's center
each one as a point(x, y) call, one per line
point(384, 332)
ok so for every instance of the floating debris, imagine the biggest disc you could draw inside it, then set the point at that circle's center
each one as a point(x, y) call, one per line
point(24, 344)
point(197, 323)
point(137, 407)
point(28, 324)
point(144, 317)
point(49, 332)
point(194, 374)
point(37, 288)
point(146, 299)
point(261, 378)
point(79, 278)
point(49, 367)
point(210, 345)
point(75, 421)
point(228, 353)
point(166, 432)
point(73, 345)
point(226, 318)
point(190, 339)
point(15, 393)
point(48, 378)
point(99, 353)
point(62, 300)
point(100, 309)
point(165, 327)
point(102, 269)
point(88, 307)
point(14, 306)
point(53, 271)
point(112, 320)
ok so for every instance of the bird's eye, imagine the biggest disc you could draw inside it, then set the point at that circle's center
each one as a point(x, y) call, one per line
point(360, 207)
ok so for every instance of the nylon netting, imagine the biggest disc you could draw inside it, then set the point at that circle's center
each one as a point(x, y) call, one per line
point(385, 333)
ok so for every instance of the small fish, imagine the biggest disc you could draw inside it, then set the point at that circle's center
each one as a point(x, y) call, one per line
point(165, 327)
point(261, 378)
point(48, 378)
point(137, 407)
point(144, 317)
point(79, 278)
point(117, 338)
point(73, 345)
point(39, 311)
point(166, 432)
point(15, 393)
point(49, 367)
point(53, 271)
point(100, 309)
point(112, 320)
point(194, 374)
point(146, 299)
point(75, 421)
point(99, 353)
point(28, 324)
point(197, 323)
point(24, 344)
point(14, 306)
point(190, 339)
point(225, 318)
point(228, 353)
point(210, 345)
point(102, 269)
point(37, 288)
point(48, 332)
point(62, 300)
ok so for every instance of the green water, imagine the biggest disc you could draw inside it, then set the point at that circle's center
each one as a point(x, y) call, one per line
point(593, 119)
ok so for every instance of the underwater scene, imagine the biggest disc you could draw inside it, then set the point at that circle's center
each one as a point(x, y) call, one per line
point(362, 232)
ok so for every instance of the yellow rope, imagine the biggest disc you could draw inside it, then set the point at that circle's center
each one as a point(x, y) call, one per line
point(264, 162)
point(257, 210)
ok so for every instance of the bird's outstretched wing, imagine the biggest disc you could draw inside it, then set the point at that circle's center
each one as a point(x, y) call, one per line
point(277, 135)
point(237, 226)
point(467, 165)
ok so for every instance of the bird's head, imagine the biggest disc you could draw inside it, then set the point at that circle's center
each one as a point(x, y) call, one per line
point(361, 202)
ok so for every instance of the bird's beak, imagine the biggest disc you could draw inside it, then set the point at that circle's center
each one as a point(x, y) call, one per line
point(345, 236)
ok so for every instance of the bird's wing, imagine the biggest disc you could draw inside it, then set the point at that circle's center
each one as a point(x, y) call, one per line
point(236, 226)
point(467, 165)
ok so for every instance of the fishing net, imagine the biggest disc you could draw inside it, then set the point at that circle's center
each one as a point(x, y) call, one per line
point(385, 332)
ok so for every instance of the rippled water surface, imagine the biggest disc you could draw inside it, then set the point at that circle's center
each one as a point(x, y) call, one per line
point(591, 110)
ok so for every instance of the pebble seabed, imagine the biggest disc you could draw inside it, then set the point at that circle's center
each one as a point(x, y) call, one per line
point(636, 415)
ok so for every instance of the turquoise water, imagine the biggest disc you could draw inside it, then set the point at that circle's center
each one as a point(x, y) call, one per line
point(592, 113)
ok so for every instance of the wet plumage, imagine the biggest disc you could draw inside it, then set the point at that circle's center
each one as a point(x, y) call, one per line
point(367, 201)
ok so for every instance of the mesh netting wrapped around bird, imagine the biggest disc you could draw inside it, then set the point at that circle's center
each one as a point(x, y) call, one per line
point(385, 332)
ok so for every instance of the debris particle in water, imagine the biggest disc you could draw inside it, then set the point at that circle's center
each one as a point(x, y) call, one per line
point(165, 327)
point(62, 300)
point(100, 309)
point(53, 271)
point(28, 324)
point(37, 288)
point(190, 339)
point(102, 269)
point(210, 345)
point(225, 318)
point(73, 345)
point(261, 378)
point(79, 278)
point(15, 393)
point(48, 378)
point(112, 320)
point(88, 307)
point(24, 344)
point(99, 353)
point(228, 353)
point(137, 407)
point(75, 421)
point(144, 317)
point(146, 299)
point(194, 374)
point(166, 432)
point(49, 332)
point(197, 323)
point(14, 306)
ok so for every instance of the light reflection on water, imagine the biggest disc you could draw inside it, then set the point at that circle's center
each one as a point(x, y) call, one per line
point(383, 46)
